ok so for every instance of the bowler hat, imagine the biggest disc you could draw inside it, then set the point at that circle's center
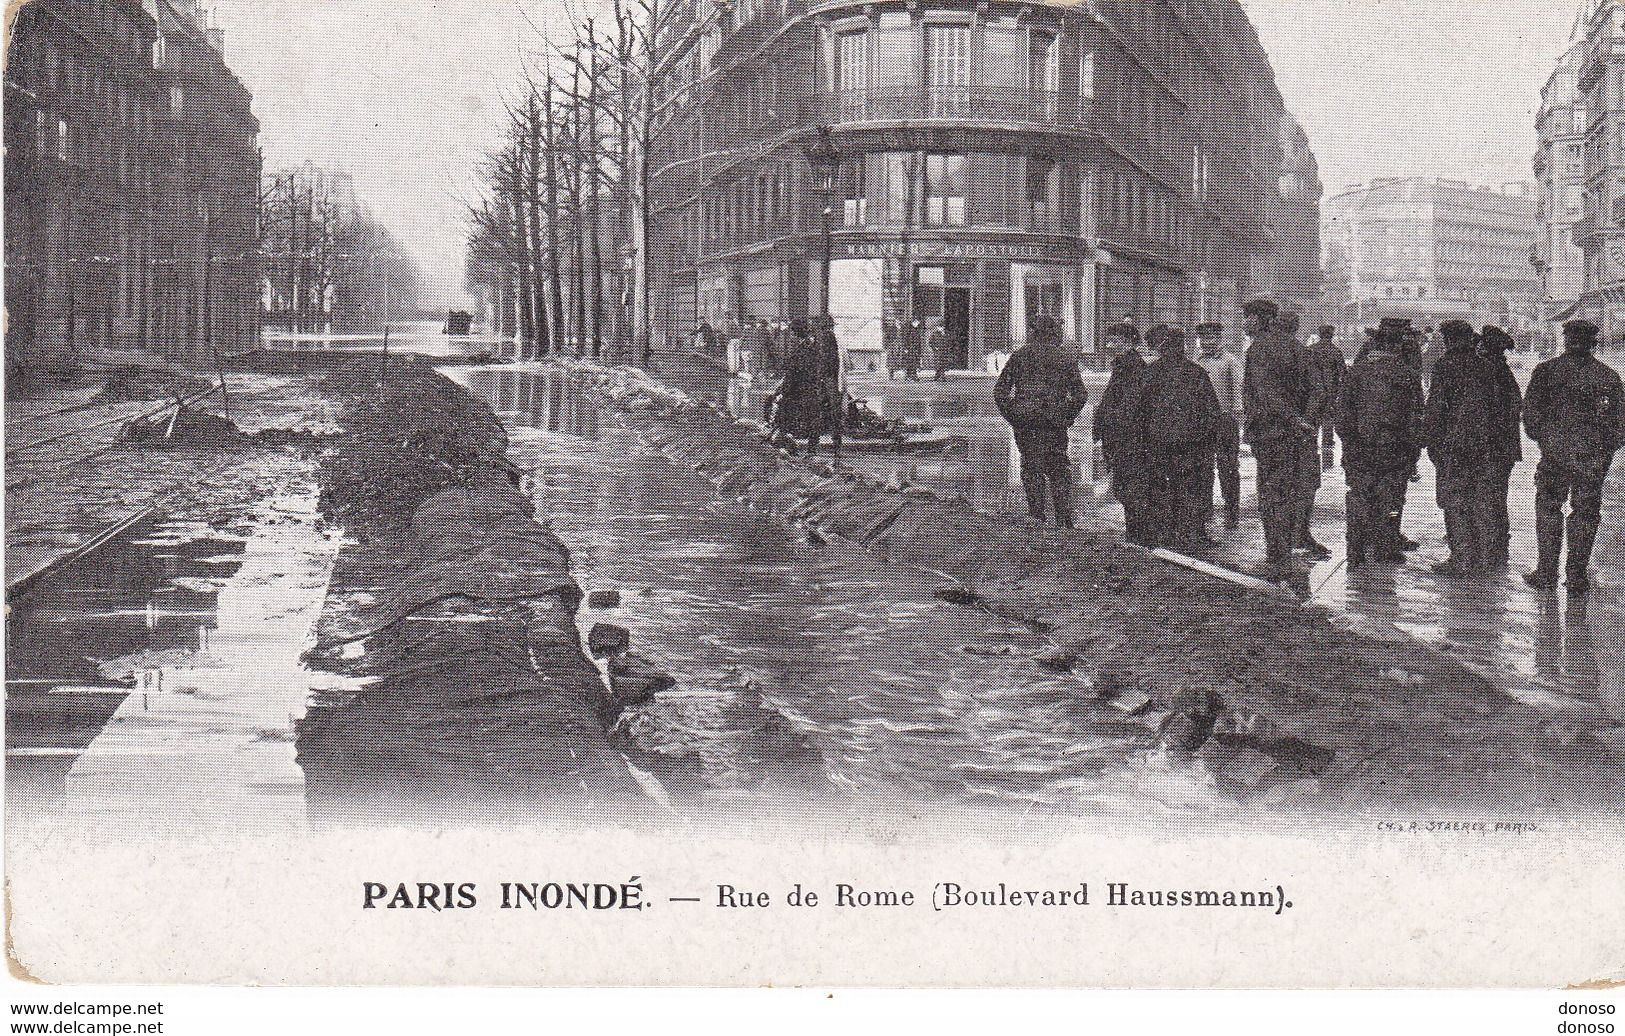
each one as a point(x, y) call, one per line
point(1262, 308)
point(1209, 329)
point(1496, 339)
point(1580, 332)
point(1457, 331)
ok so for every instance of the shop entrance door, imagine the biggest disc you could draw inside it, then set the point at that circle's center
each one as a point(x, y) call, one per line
point(956, 325)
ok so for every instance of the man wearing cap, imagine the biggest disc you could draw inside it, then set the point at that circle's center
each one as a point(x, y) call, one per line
point(1458, 429)
point(1379, 419)
point(1224, 371)
point(1278, 390)
point(1041, 394)
point(1506, 439)
point(1575, 413)
point(1120, 431)
point(1181, 416)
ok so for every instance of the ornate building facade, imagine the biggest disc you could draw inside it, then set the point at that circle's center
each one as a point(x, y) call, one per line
point(1560, 176)
point(997, 161)
point(1601, 233)
point(131, 175)
point(1433, 250)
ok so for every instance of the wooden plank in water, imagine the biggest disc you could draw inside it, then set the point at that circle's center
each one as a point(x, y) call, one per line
point(1220, 572)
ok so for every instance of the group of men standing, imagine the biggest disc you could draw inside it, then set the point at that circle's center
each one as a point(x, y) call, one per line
point(1170, 427)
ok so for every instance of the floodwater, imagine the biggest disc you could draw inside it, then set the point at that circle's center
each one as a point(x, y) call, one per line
point(808, 672)
point(1565, 656)
point(154, 685)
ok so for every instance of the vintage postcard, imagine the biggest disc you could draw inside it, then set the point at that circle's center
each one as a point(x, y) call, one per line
point(926, 493)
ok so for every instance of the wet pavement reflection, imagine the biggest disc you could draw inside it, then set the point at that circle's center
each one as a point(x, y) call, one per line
point(1494, 623)
point(811, 672)
point(153, 685)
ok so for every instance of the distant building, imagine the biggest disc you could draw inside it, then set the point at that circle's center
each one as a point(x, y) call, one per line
point(130, 164)
point(207, 287)
point(1560, 175)
point(998, 161)
point(1601, 234)
point(1432, 250)
point(1296, 262)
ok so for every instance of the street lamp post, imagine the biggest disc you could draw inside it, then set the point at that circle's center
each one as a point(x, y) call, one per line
point(825, 160)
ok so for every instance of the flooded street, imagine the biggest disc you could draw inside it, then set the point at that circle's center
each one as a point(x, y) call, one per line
point(159, 683)
point(154, 685)
point(814, 673)
point(1567, 657)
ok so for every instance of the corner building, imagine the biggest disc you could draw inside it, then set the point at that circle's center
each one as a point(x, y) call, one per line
point(999, 161)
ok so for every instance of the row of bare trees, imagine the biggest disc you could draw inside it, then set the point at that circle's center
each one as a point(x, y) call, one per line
point(329, 264)
point(559, 241)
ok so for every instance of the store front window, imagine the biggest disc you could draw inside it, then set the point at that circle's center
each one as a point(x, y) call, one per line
point(1043, 291)
point(945, 190)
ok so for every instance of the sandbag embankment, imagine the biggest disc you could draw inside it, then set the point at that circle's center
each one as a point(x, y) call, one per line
point(1371, 719)
point(454, 610)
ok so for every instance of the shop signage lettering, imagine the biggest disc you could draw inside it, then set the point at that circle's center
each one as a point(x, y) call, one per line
point(947, 250)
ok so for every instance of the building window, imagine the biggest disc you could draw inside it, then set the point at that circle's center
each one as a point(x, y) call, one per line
point(39, 134)
point(1043, 193)
point(177, 100)
point(947, 68)
point(855, 211)
point(160, 51)
point(1086, 76)
point(945, 190)
point(1043, 62)
point(62, 145)
point(852, 63)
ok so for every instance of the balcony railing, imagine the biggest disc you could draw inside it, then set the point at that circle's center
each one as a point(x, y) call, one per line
point(977, 103)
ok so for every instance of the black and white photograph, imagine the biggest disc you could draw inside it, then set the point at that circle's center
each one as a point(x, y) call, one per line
point(1103, 493)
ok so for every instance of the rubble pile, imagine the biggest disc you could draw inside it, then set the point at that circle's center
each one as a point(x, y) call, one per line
point(416, 436)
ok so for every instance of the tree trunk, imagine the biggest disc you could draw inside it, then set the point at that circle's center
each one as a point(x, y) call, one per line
point(550, 178)
point(533, 201)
